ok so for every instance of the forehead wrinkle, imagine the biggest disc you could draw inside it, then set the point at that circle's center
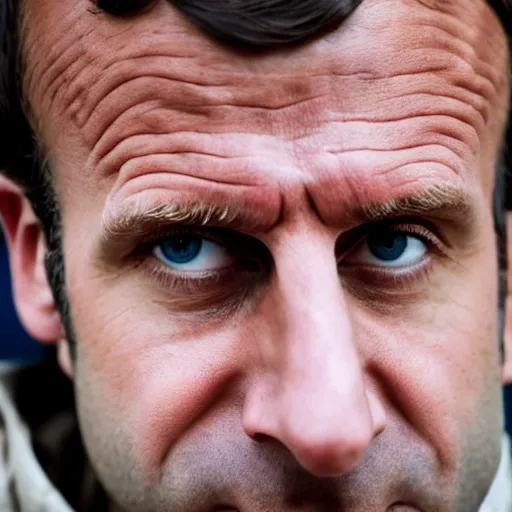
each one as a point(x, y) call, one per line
point(164, 121)
point(106, 90)
point(468, 87)
point(203, 150)
point(48, 62)
point(65, 66)
point(121, 63)
point(466, 66)
point(183, 99)
point(452, 7)
point(476, 37)
point(437, 5)
point(417, 131)
point(155, 117)
point(473, 36)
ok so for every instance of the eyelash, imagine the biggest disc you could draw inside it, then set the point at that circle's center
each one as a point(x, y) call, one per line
point(420, 231)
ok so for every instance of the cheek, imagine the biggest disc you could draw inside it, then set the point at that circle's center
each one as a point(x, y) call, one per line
point(180, 388)
point(146, 374)
point(438, 362)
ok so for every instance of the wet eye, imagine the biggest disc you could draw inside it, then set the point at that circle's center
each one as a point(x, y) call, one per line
point(390, 249)
point(191, 252)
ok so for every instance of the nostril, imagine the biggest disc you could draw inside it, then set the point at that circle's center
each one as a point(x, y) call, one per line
point(262, 438)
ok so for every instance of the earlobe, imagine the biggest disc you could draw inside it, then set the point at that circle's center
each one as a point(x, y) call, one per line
point(64, 357)
point(507, 366)
point(32, 294)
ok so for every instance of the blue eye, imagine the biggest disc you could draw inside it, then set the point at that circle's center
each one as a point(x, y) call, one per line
point(192, 252)
point(390, 249)
point(387, 246)
point(181, 249)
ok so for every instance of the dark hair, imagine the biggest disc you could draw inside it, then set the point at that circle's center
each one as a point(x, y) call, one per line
point(258, 24)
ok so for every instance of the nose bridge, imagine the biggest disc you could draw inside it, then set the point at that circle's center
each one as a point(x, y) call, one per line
point(312, 398)
point(316, 332)
point(320, 365)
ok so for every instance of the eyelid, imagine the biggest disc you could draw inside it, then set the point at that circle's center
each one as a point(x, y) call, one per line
point(419, 230)
point(249, 254)
point(211, 234)
point(408, 227)
point(146, 243)
point(422, 232)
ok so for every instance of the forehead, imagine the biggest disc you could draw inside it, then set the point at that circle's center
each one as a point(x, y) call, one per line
point(400, 84)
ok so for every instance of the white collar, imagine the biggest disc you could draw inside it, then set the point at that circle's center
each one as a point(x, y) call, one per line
point(499, 497)
point(34, 490)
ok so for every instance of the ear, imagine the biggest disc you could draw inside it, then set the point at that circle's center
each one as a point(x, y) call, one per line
point(27, 248)
point(507, 367)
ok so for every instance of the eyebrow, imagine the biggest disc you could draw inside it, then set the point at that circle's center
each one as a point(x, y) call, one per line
point(434, 201)
point(138, 220)
point(139, 223)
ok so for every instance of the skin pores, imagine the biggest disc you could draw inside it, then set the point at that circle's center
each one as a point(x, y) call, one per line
point(301, 375)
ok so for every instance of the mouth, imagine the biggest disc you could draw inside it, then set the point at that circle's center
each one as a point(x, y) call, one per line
point(395, 507)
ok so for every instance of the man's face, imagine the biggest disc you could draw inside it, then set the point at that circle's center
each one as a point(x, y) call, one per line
point(281, 266)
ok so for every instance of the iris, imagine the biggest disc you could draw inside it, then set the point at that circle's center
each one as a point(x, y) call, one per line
point(387, 246)
point(181, 249)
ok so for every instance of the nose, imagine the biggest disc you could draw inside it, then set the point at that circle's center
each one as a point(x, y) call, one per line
point(311, 394)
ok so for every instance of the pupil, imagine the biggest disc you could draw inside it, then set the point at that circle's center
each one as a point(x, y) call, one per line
point(182, 249)
point(387, 246)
